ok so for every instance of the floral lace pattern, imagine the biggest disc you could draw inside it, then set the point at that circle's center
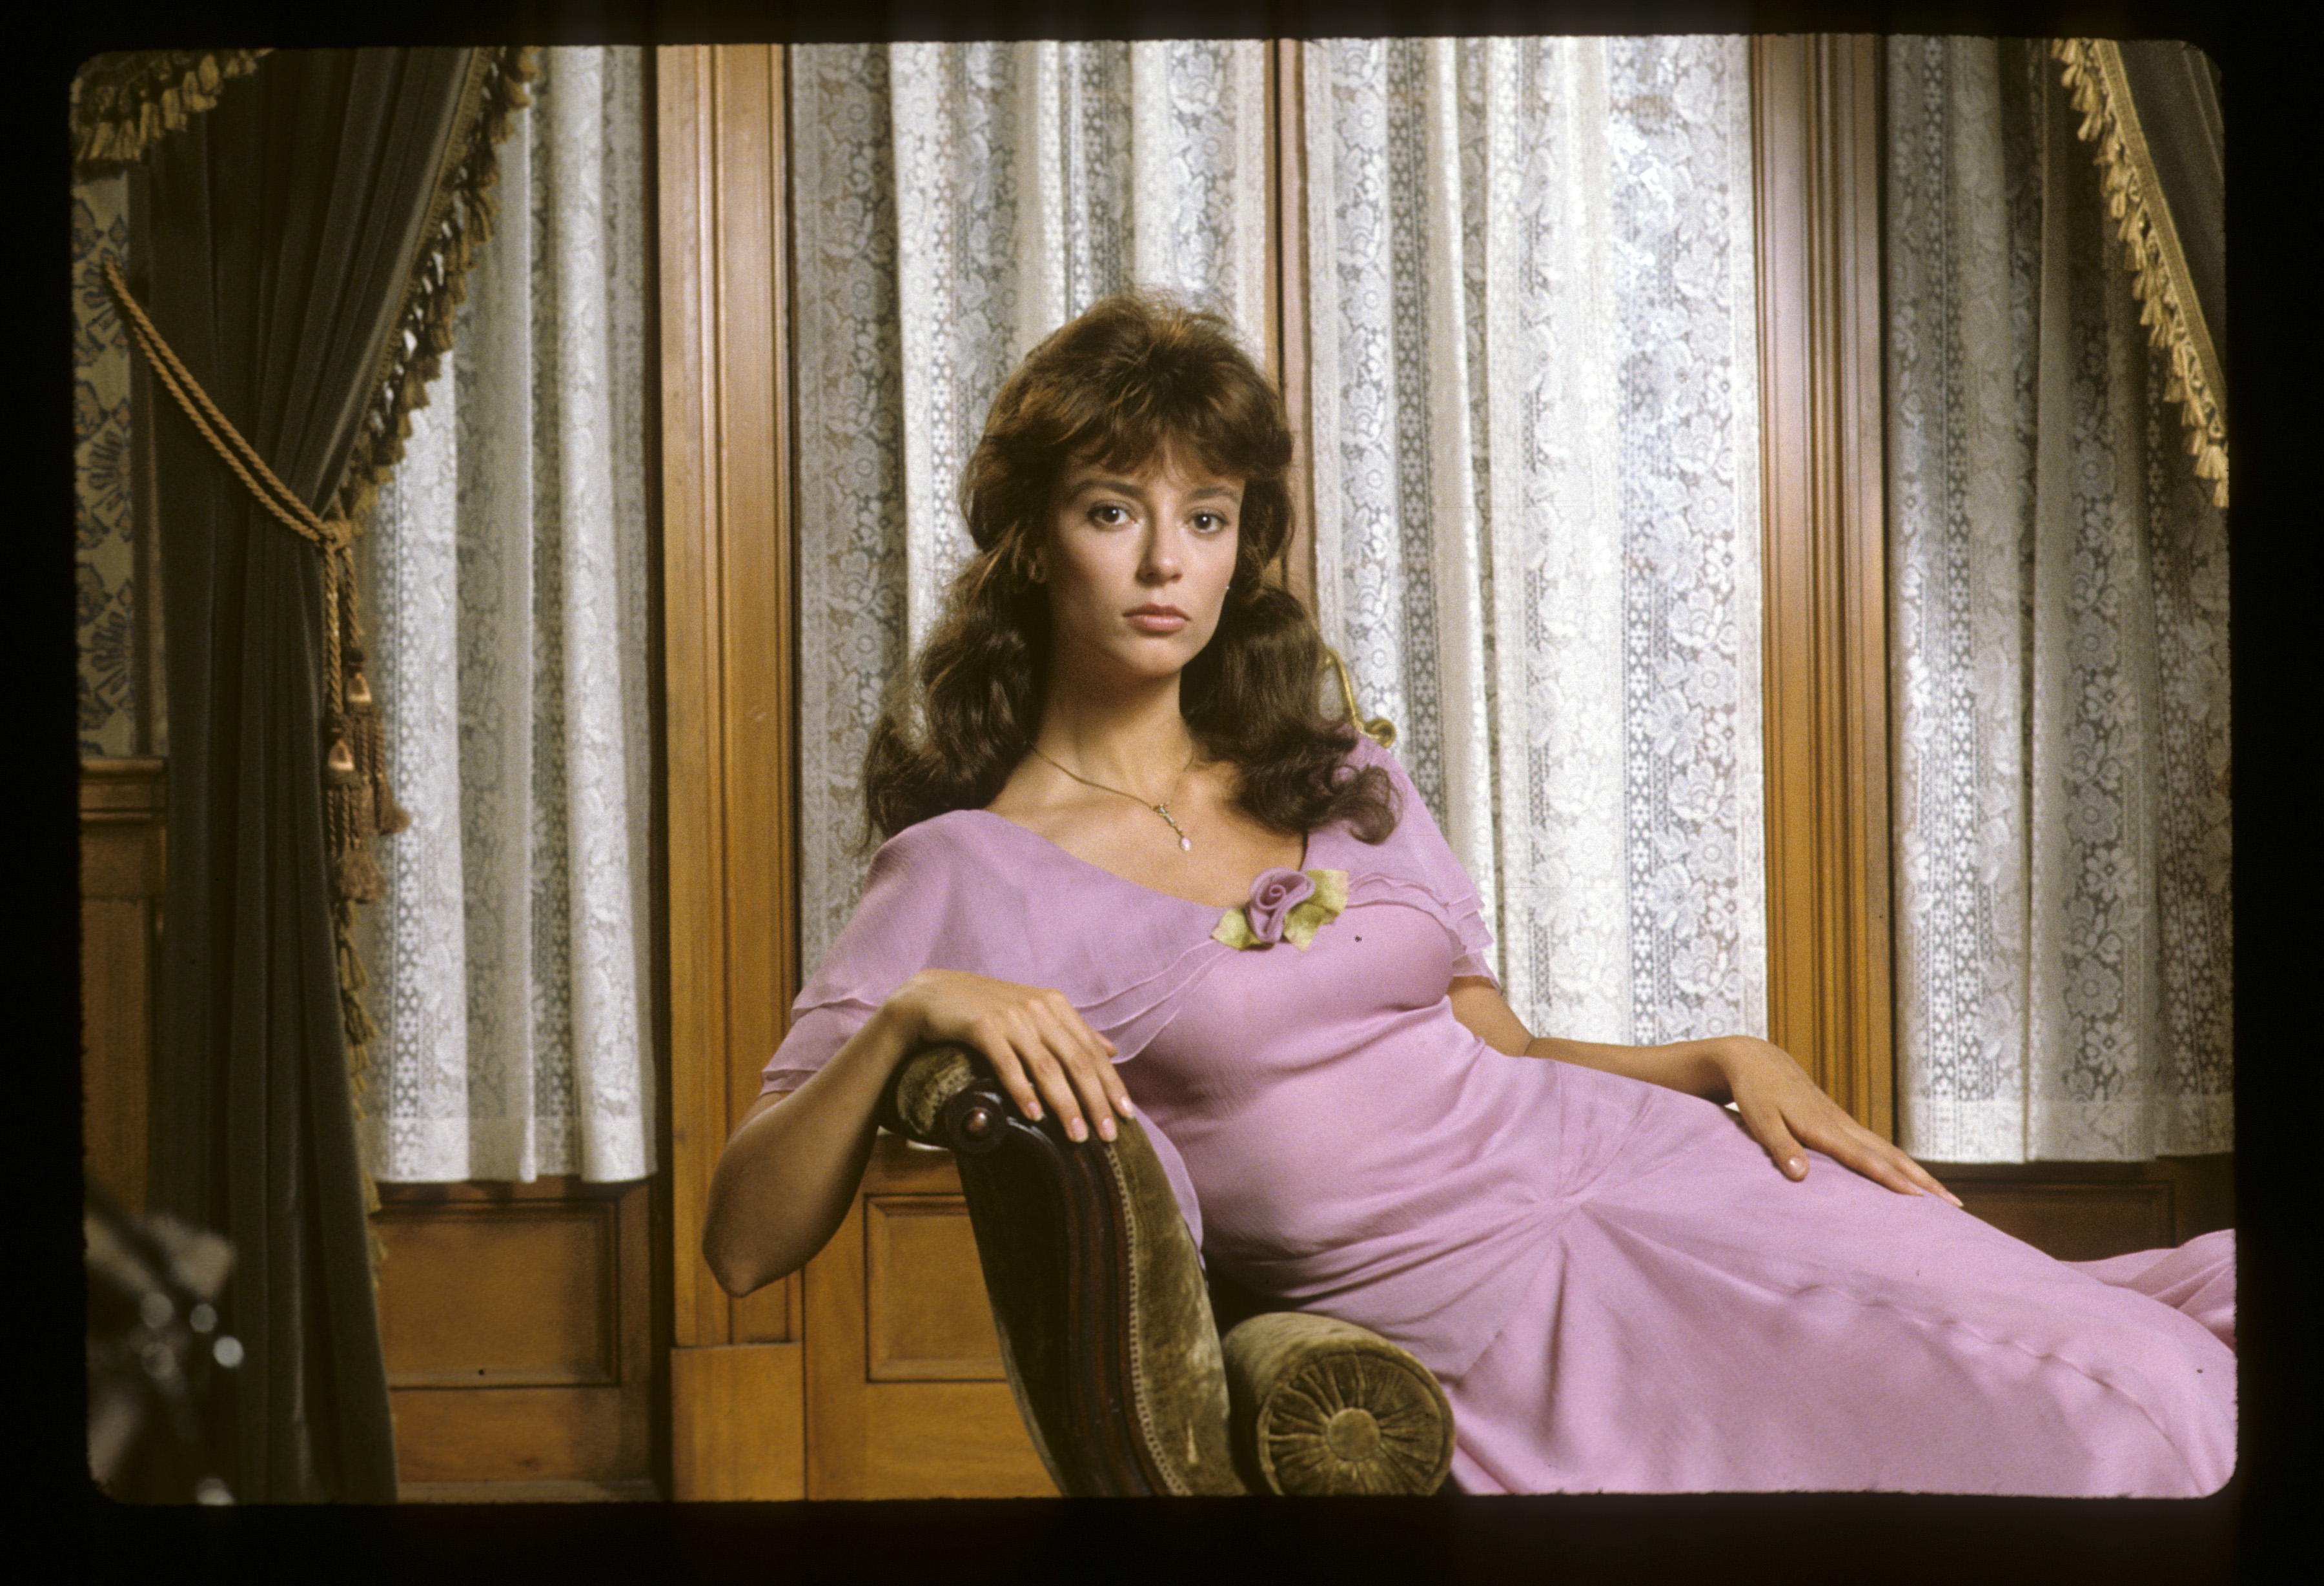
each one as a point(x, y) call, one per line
point(1535, 372)
point(104, 540)
point(506, 582)
point(2059, 665)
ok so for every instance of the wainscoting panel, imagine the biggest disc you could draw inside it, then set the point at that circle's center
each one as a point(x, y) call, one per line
point(2088, 1211)
point(121, 874)
point(906, 1394)
point(738, 1422)
point(927, 1319)
point(515, 1317)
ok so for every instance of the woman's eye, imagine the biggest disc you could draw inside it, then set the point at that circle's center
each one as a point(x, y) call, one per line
point(1109, 513)
point(1210, 522)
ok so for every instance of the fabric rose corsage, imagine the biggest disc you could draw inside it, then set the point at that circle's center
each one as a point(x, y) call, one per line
point(1285, 906)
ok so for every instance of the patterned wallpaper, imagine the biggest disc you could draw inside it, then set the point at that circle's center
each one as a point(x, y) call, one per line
point(105, 563)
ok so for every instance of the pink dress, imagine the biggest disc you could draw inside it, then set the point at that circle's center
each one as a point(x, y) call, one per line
point(1618, 1290)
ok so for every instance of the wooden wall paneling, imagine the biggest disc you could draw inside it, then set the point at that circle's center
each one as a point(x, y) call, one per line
point(727, 658)
point(514, 1321)
point(121, 874)
point(686, 198)
point(757, 623)
point(2088, 1211)
point(757, 1450)
point(906, 1393)
point(727, 575)
point(1815, 128)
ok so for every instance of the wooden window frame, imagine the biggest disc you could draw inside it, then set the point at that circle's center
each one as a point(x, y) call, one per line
point(737, 1394)
point(1815, 120)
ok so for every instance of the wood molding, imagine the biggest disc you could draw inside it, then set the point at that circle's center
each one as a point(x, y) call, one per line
point(728, 580)
point(636, 1491)
point(1286, 192)
point(1815, 137)
point(122, 869)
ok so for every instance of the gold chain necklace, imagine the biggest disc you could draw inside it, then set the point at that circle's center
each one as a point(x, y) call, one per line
point(1186, 844)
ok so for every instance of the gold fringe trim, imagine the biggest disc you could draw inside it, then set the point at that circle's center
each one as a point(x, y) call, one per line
point(2092, 72)
point(360, 1034)
point(124, 103)
point(356, 791)
point(359, 805)
point(459, 218)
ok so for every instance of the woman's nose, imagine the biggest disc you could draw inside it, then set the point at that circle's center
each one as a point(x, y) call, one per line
point(1160, 564)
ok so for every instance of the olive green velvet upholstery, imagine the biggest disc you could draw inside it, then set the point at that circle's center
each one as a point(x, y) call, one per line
point(1107, 1330)
point(1326, 1406)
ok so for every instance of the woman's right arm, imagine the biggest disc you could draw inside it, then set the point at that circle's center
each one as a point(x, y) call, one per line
point(783, 1184)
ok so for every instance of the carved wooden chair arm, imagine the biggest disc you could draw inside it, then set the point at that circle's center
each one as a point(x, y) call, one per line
point(1106, 1326)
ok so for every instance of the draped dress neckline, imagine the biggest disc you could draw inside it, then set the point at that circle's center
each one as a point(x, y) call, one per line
point(1307, 858)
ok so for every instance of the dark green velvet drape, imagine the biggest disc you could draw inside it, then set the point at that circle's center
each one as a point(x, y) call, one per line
point(283, 227)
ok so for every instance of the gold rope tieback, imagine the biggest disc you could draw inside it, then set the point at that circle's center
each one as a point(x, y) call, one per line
point(358, 805)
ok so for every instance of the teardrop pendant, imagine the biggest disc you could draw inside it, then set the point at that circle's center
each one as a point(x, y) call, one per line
point(1186, 844)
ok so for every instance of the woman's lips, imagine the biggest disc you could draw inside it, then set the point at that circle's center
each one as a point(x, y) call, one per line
point(1157, 619)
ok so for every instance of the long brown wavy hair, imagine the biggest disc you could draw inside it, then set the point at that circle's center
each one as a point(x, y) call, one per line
point(1138, 376)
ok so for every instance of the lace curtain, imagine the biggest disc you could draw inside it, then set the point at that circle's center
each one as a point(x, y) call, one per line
point(2059, 666)
point(506, 608)
point(1537, 532)
point(1537, 500)
point(952, 204)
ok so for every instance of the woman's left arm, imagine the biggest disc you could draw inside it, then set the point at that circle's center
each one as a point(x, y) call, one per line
point(1782, 1107)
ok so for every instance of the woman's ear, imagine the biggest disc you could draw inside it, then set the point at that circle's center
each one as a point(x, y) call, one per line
point(1025, 558)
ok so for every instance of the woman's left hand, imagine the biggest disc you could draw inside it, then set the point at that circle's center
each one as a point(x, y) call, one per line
point(1782, 1107)
point(1784, 1110)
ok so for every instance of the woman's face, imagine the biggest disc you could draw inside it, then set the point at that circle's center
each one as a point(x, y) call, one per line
point(1136, 563)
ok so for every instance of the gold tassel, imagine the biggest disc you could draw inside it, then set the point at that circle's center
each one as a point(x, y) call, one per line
point(355, 876)
point(387, 818)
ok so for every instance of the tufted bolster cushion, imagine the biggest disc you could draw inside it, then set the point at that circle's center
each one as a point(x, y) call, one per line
point(1323, 1406)
point(1106, 1327)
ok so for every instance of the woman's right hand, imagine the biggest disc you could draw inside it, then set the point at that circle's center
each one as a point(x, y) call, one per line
point(1041, 1049)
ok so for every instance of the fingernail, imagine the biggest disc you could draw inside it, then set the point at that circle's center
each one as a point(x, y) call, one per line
point(1955, 1199)
point(1796, 1168)
point(1106, 1129)
point(1075, 1129)
point(1033, 1111)
point(1128, 1108)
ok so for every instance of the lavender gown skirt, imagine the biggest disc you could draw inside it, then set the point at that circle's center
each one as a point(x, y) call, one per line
point(1830, 1334)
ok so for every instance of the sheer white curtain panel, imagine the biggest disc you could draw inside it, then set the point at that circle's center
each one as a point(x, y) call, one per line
point(2058, 663)
point(952, 204)
point(507, 603)
point(1531, 294)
